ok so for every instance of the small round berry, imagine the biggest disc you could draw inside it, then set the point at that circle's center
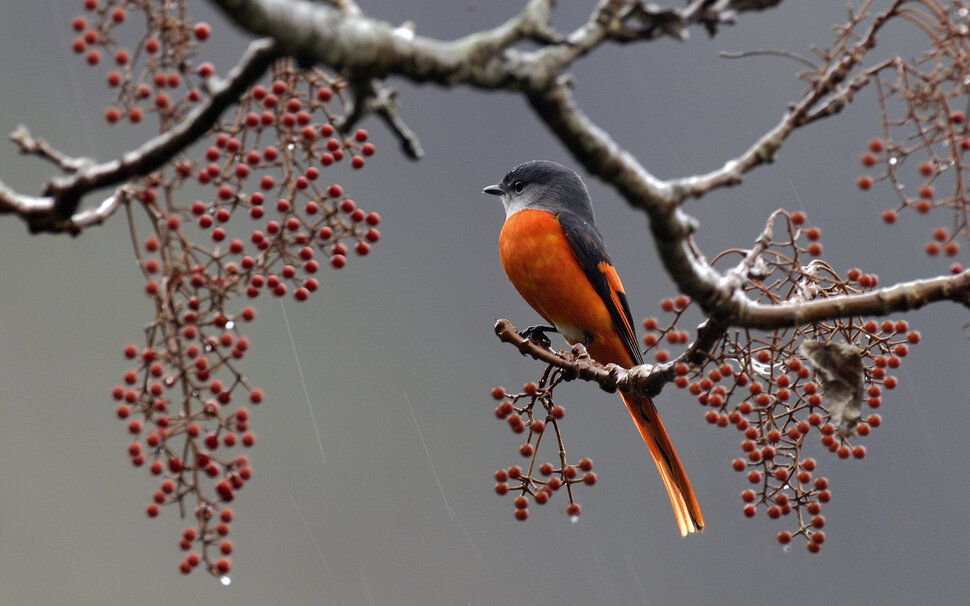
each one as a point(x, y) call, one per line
point(864, 183)
point(202, 31)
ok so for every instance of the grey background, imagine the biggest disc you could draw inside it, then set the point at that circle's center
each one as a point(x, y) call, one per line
point(399, 358)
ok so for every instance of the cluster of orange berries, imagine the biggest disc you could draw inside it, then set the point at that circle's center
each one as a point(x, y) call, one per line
point(165, 83)
point(538, 481)
point(179, 405)
point(269, 226)
point(779, 405)
point(944, 240)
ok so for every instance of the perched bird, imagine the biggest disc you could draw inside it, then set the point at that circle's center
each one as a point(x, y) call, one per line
point(555, 257)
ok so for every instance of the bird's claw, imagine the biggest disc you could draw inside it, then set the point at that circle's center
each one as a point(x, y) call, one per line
point(537, 334)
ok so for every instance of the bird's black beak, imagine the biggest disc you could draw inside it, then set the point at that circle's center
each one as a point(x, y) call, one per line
point(495, 190)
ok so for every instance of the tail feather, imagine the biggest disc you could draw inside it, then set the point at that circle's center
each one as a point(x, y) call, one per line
point(688, 511)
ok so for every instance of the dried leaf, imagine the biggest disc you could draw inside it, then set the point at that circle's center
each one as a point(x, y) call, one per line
point(839, 366)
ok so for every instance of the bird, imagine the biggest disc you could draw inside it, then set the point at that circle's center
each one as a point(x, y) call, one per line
point(556, 258)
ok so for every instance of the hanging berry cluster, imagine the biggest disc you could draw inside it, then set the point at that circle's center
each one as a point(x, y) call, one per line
point(924, 103)
point(762, 385)
point(261, 221)
point(538, 482)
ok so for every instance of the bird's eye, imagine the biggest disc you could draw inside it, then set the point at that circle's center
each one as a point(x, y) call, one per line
point(518, 186)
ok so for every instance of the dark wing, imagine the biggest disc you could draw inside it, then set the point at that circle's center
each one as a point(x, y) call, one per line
point(590, 249)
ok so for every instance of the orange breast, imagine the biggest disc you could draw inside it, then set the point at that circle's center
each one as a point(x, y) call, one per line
point(540, 263)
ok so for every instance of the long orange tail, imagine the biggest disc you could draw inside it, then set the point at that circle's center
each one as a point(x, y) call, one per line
point(688, 511)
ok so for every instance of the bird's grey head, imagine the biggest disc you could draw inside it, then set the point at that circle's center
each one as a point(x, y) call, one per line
point(543, 185)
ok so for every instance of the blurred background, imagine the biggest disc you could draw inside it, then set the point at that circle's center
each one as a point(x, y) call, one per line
point(399, 357)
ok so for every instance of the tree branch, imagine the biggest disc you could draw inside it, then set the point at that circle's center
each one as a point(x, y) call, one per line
point(57, 211)
point(646, 379)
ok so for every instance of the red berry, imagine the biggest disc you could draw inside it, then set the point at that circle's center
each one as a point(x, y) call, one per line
point(876, 146)
point(889, 217)
point(864, 183)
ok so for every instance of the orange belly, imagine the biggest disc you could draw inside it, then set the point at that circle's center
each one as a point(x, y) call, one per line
point(540, 263)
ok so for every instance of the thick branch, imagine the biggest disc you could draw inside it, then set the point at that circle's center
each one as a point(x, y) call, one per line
point(906, 296)
point(318, 33)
